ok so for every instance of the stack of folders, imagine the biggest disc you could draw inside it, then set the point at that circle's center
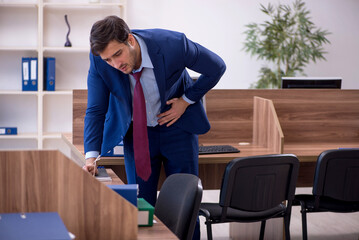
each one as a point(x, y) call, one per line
point(29, 74)
point(145, 210)
point(8, 130)
point(49, 73)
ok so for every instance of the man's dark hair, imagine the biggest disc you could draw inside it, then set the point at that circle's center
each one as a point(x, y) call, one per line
point(106, 30)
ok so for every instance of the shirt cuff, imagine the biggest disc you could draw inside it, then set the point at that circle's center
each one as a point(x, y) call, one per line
point(187, 100)
point(92, 154)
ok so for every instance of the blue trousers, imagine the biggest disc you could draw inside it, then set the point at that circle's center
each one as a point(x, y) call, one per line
point(172, 147)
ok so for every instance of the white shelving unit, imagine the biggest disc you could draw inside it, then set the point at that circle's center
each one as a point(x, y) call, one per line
point(37, 28)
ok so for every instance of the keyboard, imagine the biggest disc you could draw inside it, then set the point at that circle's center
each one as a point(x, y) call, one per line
point(215, 149)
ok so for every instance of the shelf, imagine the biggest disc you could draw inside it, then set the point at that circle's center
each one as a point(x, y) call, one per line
point(19, 4)
point(18, 49)
point(52, 135)
point(60, 92)
point(5, 92)
point(72, 5)
point(67, 49)
point(20, 136)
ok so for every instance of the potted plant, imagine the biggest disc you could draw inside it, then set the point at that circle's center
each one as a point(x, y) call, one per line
point(289, 40)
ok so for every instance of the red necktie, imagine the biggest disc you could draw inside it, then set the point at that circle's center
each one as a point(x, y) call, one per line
point(140, 137)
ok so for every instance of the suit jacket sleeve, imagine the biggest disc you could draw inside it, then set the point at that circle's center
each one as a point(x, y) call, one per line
point(208, 64)
point(180, 53)
point(97, 105)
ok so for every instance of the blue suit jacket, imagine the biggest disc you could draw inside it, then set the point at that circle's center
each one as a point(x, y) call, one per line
point(109, 107)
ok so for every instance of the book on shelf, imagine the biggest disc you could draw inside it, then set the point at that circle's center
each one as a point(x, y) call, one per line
point(49, 73)
point(29, 74)
point(8, 130)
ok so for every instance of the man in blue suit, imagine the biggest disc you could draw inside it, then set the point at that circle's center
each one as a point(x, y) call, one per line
point(175, 115)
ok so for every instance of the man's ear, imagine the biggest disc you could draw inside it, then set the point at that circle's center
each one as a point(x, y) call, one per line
point(131, 40)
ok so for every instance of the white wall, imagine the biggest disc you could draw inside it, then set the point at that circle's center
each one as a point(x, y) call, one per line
point(219, 26)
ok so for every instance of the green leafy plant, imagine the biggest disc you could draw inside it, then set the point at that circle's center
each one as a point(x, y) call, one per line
point(289, 41)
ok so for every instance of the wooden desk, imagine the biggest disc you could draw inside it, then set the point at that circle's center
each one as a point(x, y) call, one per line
point(48, 181)
point(115, 179)
point(211, 166)
point(311, 121)
point(157, 231)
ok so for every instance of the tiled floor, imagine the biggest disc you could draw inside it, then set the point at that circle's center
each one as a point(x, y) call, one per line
point(321, 226)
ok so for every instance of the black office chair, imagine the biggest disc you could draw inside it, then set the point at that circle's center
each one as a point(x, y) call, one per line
point(178, 203)
point(255, 189)
point(335, 187)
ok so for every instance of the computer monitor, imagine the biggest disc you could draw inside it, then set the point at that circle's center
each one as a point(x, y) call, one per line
point(312, 82)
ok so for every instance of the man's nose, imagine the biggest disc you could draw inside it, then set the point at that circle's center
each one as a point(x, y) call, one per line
point(116, 63)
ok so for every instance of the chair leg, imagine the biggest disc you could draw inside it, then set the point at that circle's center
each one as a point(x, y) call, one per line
point(263, 226)
point(209, 230)
point(304, 224)
point(206, 214)
point(286, 227)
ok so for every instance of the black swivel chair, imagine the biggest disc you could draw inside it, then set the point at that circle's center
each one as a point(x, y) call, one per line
point(254, 189)
point(178, 203)
point(335, 187)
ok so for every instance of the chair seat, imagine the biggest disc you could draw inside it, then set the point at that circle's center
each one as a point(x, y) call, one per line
point(215, 211)
point(326, 204)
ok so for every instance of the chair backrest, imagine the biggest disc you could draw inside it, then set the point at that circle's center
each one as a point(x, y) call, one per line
point(178, 203)
point(260, 182)
point(337, 174)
